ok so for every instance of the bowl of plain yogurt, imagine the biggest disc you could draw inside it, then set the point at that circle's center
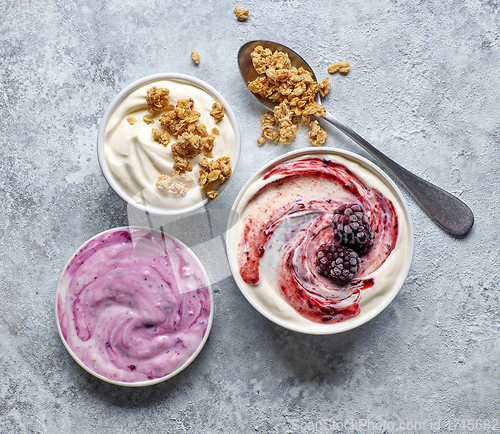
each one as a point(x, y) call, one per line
point(156, 154)
point(134, 306)
point(284, 216)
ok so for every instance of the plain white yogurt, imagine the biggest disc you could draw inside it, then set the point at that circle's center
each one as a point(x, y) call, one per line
point(135, 160)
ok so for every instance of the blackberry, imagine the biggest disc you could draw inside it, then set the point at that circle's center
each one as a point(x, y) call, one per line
point(352, 228)
point(337, 261)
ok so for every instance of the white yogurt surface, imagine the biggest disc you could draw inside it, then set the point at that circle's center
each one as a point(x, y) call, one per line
point(135, 160)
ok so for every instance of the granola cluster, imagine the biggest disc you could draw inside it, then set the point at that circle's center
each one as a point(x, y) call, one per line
point(294, 90)
point(342, 67)
point(148, 119)
point(196, 57)
point(192, 139)
point(217, 111)
point(268, 129)
point(214, 170)
point(182, 118)
point(241, 14)
point(317, 135)
point(324, 87)
point(157, 99)
point(161, 138)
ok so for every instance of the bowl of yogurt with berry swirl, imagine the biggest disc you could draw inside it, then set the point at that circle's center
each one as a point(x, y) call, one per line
point(320, 240)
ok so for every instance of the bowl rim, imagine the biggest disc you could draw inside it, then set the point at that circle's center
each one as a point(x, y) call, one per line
point(145, 382)
point(352, 322)
point(129, 89)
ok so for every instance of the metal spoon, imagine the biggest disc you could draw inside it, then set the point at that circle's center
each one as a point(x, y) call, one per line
point(445, 209)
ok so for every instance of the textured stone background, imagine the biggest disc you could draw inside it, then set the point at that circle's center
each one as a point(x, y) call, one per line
point(423, 88)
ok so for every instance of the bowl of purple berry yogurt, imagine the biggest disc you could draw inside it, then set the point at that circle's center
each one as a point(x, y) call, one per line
point(134, 306)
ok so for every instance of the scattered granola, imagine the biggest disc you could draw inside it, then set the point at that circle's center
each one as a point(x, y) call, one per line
point(131, 120)
point(148, 119)
point(342, 67)
point(261, 141)
point(177, 184)
point(161, 138)
point(192, 139)
point(196, 57)
point(317, 135)
point(241, 14)
point(157, 98)
point(217, 111)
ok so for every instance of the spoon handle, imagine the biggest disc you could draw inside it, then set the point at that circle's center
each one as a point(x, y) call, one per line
point(445, 209)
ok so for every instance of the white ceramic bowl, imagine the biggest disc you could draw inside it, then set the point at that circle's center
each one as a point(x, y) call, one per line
point(141, 311)
point(374, 300)
point(139, 202)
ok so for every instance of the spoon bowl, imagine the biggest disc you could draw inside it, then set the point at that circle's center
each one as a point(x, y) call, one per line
point(249, 73)
point(446, 210)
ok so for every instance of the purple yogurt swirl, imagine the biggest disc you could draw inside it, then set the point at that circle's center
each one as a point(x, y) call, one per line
point(134, 305)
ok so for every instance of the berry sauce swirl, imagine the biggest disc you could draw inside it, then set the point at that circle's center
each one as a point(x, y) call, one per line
point(290, 216)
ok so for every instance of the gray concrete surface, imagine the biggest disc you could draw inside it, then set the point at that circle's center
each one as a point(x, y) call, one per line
point(423, 88)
